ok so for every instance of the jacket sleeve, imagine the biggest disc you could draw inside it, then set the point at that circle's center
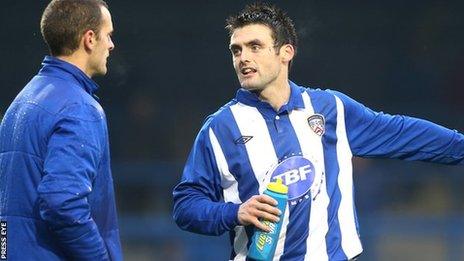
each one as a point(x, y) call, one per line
point(376, 134)
point(70, 166)
point(198, 203)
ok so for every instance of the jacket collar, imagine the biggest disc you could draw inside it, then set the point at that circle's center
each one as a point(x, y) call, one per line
point(61, 69)
point(295, 101)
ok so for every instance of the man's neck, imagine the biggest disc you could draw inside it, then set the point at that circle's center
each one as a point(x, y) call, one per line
point(276, 94)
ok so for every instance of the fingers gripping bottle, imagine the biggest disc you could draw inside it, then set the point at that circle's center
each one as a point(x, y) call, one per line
point(263, 243)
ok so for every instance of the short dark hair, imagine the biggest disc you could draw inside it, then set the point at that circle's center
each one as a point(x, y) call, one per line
point(283, 29)
point(65, 21)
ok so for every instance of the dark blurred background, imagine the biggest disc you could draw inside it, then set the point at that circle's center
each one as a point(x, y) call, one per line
point(171, 68)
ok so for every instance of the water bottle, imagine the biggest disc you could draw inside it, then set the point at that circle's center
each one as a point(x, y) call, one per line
point(263, 244)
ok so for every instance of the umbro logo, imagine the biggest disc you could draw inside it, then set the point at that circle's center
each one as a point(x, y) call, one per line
point(243, 139)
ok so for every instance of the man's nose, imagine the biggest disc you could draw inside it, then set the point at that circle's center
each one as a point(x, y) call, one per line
point(245, 56)
point(111, 45)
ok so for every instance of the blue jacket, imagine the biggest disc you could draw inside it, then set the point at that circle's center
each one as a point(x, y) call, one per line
point(56, 188)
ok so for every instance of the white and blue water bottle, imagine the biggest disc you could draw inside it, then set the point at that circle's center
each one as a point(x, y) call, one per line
point(263, 244)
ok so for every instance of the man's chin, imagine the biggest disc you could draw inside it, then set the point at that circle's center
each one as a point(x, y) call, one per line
point(249, 86)
point(101, 72)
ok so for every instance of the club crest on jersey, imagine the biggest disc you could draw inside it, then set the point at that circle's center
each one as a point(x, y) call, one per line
point(299, 174)
point(317, 124)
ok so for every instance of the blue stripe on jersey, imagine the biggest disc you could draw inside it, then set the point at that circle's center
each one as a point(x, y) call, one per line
point(283, 136)
point(249, 231)
point(286, 144)
point(239, 165)
point(326, 105)
point(297, 231)
point(231, 240)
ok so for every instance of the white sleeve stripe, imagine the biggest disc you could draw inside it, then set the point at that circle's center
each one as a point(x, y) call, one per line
point(351, 244)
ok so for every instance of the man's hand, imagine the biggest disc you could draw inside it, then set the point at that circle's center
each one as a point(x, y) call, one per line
point(258, 207)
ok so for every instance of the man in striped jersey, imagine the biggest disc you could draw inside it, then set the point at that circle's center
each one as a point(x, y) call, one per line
point(271, 120)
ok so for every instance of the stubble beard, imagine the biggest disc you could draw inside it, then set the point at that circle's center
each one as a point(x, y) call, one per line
point(259, 85)
point(252, 85)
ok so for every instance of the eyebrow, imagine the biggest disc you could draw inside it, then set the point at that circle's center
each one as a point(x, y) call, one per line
point(233, 46)
point(249, 43)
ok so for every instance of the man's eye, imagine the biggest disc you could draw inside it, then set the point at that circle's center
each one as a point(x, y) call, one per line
point(235, 52)
point(255, 48)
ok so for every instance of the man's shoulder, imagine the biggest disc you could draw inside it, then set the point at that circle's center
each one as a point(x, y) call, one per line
point(317, 90)
point(222, 115)
point(320, 93)
point(59, 96)
point(323, 97)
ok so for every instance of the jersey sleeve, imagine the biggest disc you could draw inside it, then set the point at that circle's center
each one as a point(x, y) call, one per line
point(70, 166)
point(198, 202)
point(376, 134)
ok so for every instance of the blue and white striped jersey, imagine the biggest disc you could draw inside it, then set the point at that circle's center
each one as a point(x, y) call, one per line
point(239, 144)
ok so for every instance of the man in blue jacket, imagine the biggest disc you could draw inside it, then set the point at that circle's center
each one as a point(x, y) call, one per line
point(56, 189)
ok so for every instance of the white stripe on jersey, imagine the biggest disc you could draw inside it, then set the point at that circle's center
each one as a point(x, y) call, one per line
point(240, 243)
point(311, 145)
point(260, 149)
point(261, 155)
point(228, 181)
point(351, 244)
point(283, 233)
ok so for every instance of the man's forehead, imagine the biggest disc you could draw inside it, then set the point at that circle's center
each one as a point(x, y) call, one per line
point(106, 18)
point(251, 32)
point(105, 12)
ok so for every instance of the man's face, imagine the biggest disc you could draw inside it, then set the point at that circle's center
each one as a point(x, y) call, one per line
point(255, 58)
point(103, 46)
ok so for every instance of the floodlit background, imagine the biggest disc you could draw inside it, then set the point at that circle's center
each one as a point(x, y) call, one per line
point(171, 68)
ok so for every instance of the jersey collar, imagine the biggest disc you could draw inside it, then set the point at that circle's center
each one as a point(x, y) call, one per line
point(295, 101)
point(59, 68)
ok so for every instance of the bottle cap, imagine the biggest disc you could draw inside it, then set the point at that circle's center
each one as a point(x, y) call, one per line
point(277, 186)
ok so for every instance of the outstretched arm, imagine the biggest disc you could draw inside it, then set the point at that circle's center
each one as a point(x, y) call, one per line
point(376, 134)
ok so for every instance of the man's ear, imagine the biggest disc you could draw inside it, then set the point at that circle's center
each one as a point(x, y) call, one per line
point(287, 52)
point(89, 40)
